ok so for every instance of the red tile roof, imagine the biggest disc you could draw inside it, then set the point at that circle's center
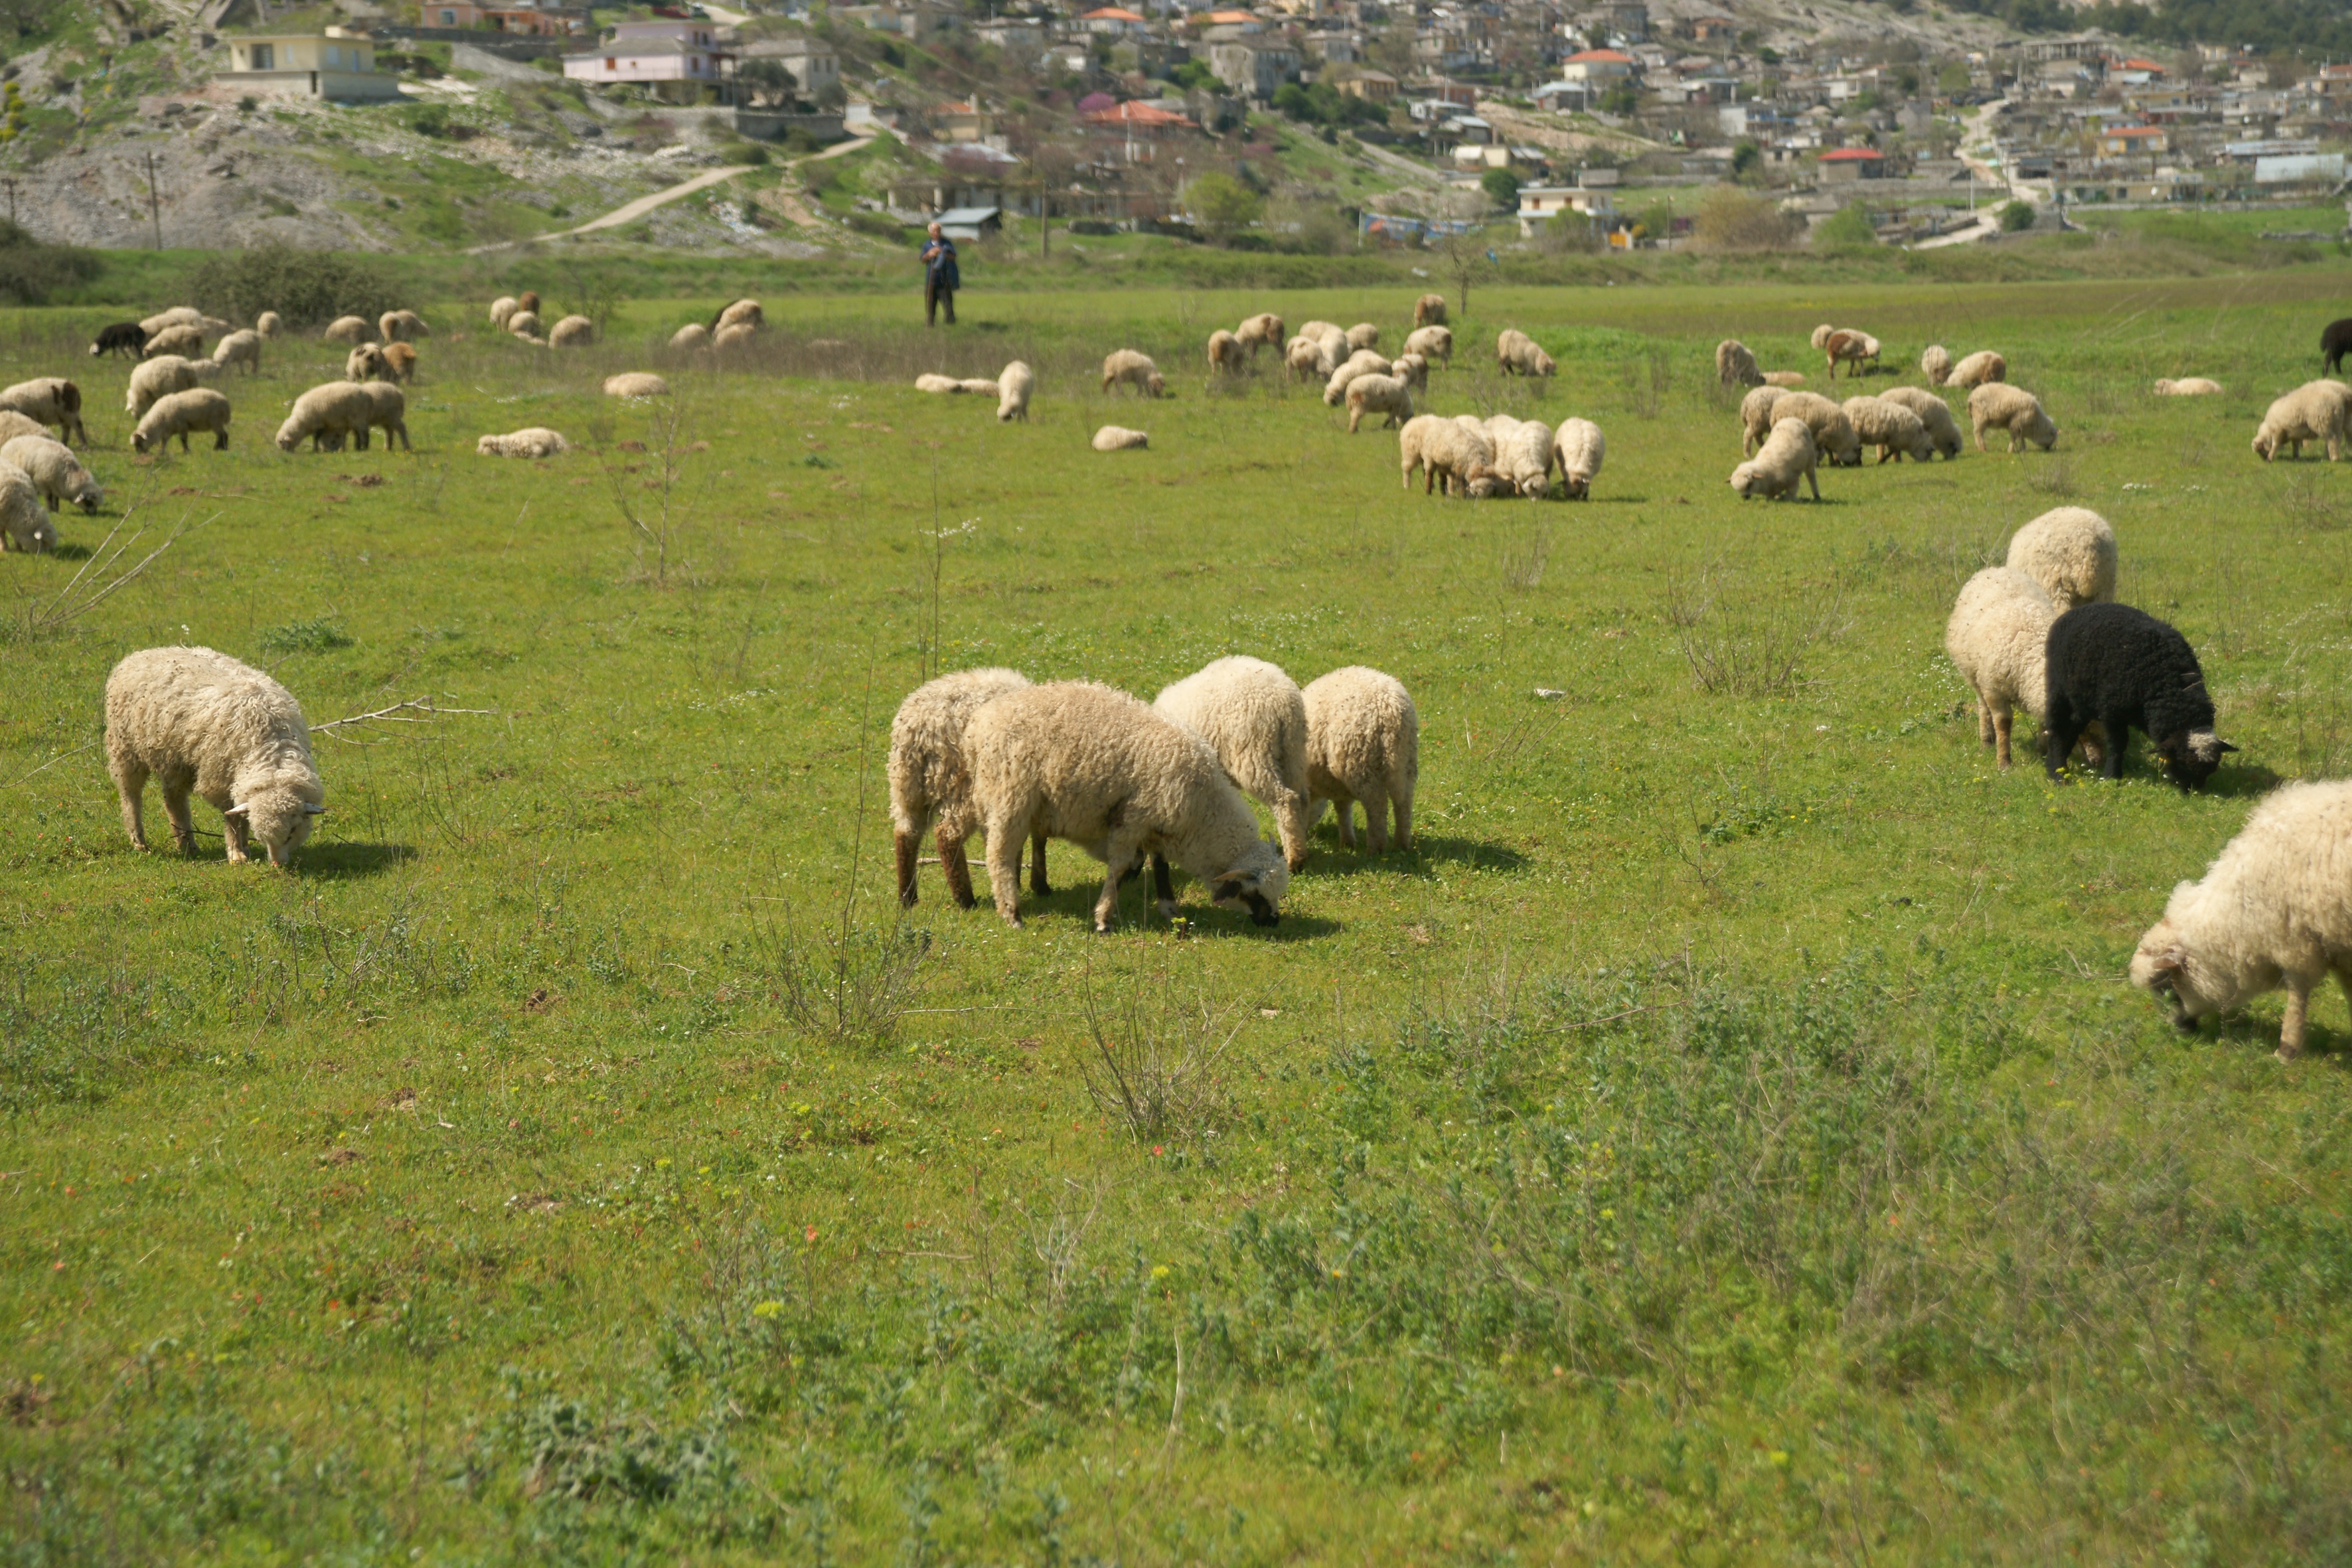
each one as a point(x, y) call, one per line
point(1851, 155)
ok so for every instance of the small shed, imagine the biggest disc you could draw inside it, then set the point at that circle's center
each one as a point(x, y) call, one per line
point(970, 223)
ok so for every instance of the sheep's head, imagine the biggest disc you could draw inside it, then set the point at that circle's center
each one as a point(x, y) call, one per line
point(2164, 966)
point(2190, 756)
point(1156, 384)
point(88, 494)
point(2040, 429)
point(2265, 445)
point(1256, 884)
point(1743, 481)
point(278, 819)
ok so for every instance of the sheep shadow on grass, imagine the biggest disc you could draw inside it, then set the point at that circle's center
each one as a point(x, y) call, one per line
point(347, 861)
point(1135, 912)
point(2254, 1028)
point(1428, 852)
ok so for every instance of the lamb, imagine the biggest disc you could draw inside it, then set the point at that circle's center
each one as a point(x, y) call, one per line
point(692, 336)
point(1519, 354)
point(1832, 432)
point(55, 471)
point(1936, 365)
point(48, 400)
point(1226, 355)
point(1788, 456)
point(1253, 718)
point(1429, 311)
point(177, 316)
point(1734, 365)
point(174, 341)
point(2272, 911)
point(1997, 405)
point(120, 338)
point(1015, 383)
point(2334, 343)
point(2189, 386)
point(1363, 361)
point(742, 313)
point(1523, 453)
point(400, 362)
point(352, 330)
point(1125, 367)
point(2070, 550)
point(388, 410)
point(402, 327)
point(239, 348)
point(574, 332)
point(1260, 331)
point(1851, 347)
point(23, 524)
point(2126, 669)
point(1363, 335)
point(1363, 744)
point(155, 378)
point(1580, 448)
point(364, 363)
point(1895, 430)
point(502, 310)
point(1413, 371)
point(976, 386)
point(267, 324)
point(734, 335)
point(1434, 342)
point(1756, 418)
point(931, 782)
point(537, 441)
point(1999, 636)
point(635, 383)
point(202, 724)
point(524, 324)
point(181, 414)
point(1086, 763)
point(2315, 411)
point(326, 414)
point(1306, 360)
point(1935, 414)
point(1980, 369)
point(1119, 439)
point(1388, 396)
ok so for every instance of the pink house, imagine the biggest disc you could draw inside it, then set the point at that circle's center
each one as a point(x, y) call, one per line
point(676, 58)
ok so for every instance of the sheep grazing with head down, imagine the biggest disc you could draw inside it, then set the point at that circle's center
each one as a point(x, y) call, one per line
point(1332, 336)
point(1895, 430)
point(350, 331)
point(161, 378)
point(239, 348)
point(1386, 396)
point(1784, 378)
point(1833, 434)
point(1093, 766)
point(502, 310)
point(364, 363)
point(1997, 636)
point(572, 332)
point(177, 316)
point(2189, 386)
point(267, 324)
point(2273, 910)
point(1935, 417)
point(12, 424)
point(400, 362)
point(742, 313)
point(1260, 331)
point(1756, 418)
point(24, 524)
point(1519, 354)
point(1997, 405)
point(1227, 356)
point(1429, 311)
point(1980, 369)
point(183, 413)
point(976, 386)
point(524, 324)
point(1363, 361)
point(1363, 335)
point(200, 722)
point(688, 337)
point(188, 341)
point(1524, 454)
point(1936, 365)
point(2316, 411)
point(54, 470)
point(1434, 342)
point(1014, 383)
point(1126, 367)
point(1734, 365)
point(2124, 670)
point(1413, 371)
point(388, 412)
point(1305, 360)
point(1851, 348)
point(48, 400)
point(122, 338)
point(635, 383)
point(536, 441)
point(930, 781)
point(2071, 552)
point(1787, 457)
point(1119, 438)
point(1363, 746)
point(326, 415)
point(402, 327)
point(936, 385)
point(1580, 448)
point(1253, 717)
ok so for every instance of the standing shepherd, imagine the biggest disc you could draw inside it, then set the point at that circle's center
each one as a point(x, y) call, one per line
point(940, 279)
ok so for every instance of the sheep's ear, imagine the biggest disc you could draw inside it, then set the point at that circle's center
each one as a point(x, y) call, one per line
point(2172, 960)
point(2226, 747)
point(239, 809)
point(309, 810)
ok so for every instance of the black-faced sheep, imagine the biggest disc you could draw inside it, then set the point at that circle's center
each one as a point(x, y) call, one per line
point(1363, 744)
point(930, 781)
point(200, 722)
point(120, 338)
point(2128, 670)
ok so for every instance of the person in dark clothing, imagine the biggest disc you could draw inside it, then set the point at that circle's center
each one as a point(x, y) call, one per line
point(940, 279)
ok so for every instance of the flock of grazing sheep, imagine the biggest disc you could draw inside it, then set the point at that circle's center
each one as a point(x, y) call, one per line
point(985, 751)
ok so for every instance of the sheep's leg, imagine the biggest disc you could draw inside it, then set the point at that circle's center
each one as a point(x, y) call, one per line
point(1037, 883)
point(905, 841)
point(1119, 850)
point(956, 866)
point(1004, 868)
point(1347, 813)
point(130, 783)
point(2111, 766)
point(1376, 818)
point(1402, 803)
point(1163, 888)
point(2298, 1003)
point(2001, 723)
point(1812, 478)
point(2059, 735)
point(1985, 731)
point(183, 832)
point(236, 835)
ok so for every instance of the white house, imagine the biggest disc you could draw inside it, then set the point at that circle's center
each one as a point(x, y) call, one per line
point(332, 65)
point(1541, 204)
point(674, 58)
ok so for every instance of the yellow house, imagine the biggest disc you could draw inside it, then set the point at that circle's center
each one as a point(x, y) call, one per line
point(334, 64)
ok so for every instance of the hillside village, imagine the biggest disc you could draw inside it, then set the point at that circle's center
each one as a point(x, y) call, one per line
point(1302, 125)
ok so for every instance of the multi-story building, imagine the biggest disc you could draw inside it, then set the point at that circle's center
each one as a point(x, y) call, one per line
point(334, 64)
point(674, 58)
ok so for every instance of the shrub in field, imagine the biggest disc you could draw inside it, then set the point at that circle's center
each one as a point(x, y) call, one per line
point(1846, 231)
point(2017, 218)
point(1730, 219)
point(30, 271)
point(306, 287)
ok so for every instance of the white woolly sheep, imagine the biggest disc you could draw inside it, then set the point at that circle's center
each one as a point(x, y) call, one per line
point(1363, 361)
point(1822, 335)
point(1997, 405)
point(937, 384)
point(239, 348)
point(1523, 453)
point(1226, 354)
point(1386, 395)
point(1119, 439)
point(2189, 386)
point(189, 341)
point(930, 781)
point(24, 522)
point(635, 383)
point(1997, 636)
point(348, 330)
point(200, 722)
point(1895, 430)
point(502, 310)
point(402, 327)
point(388, 412)
point(1429, 311)
point(1363, 744)
point(1734, 365)
point(1363, 335)
point(536, 441)
point(1935, 363)
point(177, 316)
point(1788, 456)
point(742, 313)
point(1980, 369)
point(327, 414)
point(1935, 417)
point(156, 378)
point(1305, 360)
point(1253, 717)
point(12, 424)
point(54, 470)
point(2272, 910)
point(1411, 455)
point(1580, 448)
point(1015, 383)
point(1412, 370)
point(2070, 550)
point(1260, 331)
point(1520, 354)
point(572, 332)
point(2316, 411)
point(1784, 378)
point(49, 400)
point(1756, 418)
point(364, 363)
point(976, 386)
point(183, 413)
point(1835, 440)
point(1126, 367)
point(1433, 342)
point(267, 324)
point(524, 324)
point(1101, 770)
point(1331, 336)
point(1457, 458)
point(689, 337)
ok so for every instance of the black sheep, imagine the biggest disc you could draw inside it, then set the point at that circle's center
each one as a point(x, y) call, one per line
point(2129, 671)
point(2335, 344)
point(123, 337)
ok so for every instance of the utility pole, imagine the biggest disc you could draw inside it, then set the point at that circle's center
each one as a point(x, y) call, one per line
point(154, 205)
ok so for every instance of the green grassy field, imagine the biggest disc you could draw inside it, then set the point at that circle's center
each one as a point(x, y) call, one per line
point(1726, 1137)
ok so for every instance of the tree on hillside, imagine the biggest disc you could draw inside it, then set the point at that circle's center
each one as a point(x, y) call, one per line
point(1502, 188)
point(1222, 204)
